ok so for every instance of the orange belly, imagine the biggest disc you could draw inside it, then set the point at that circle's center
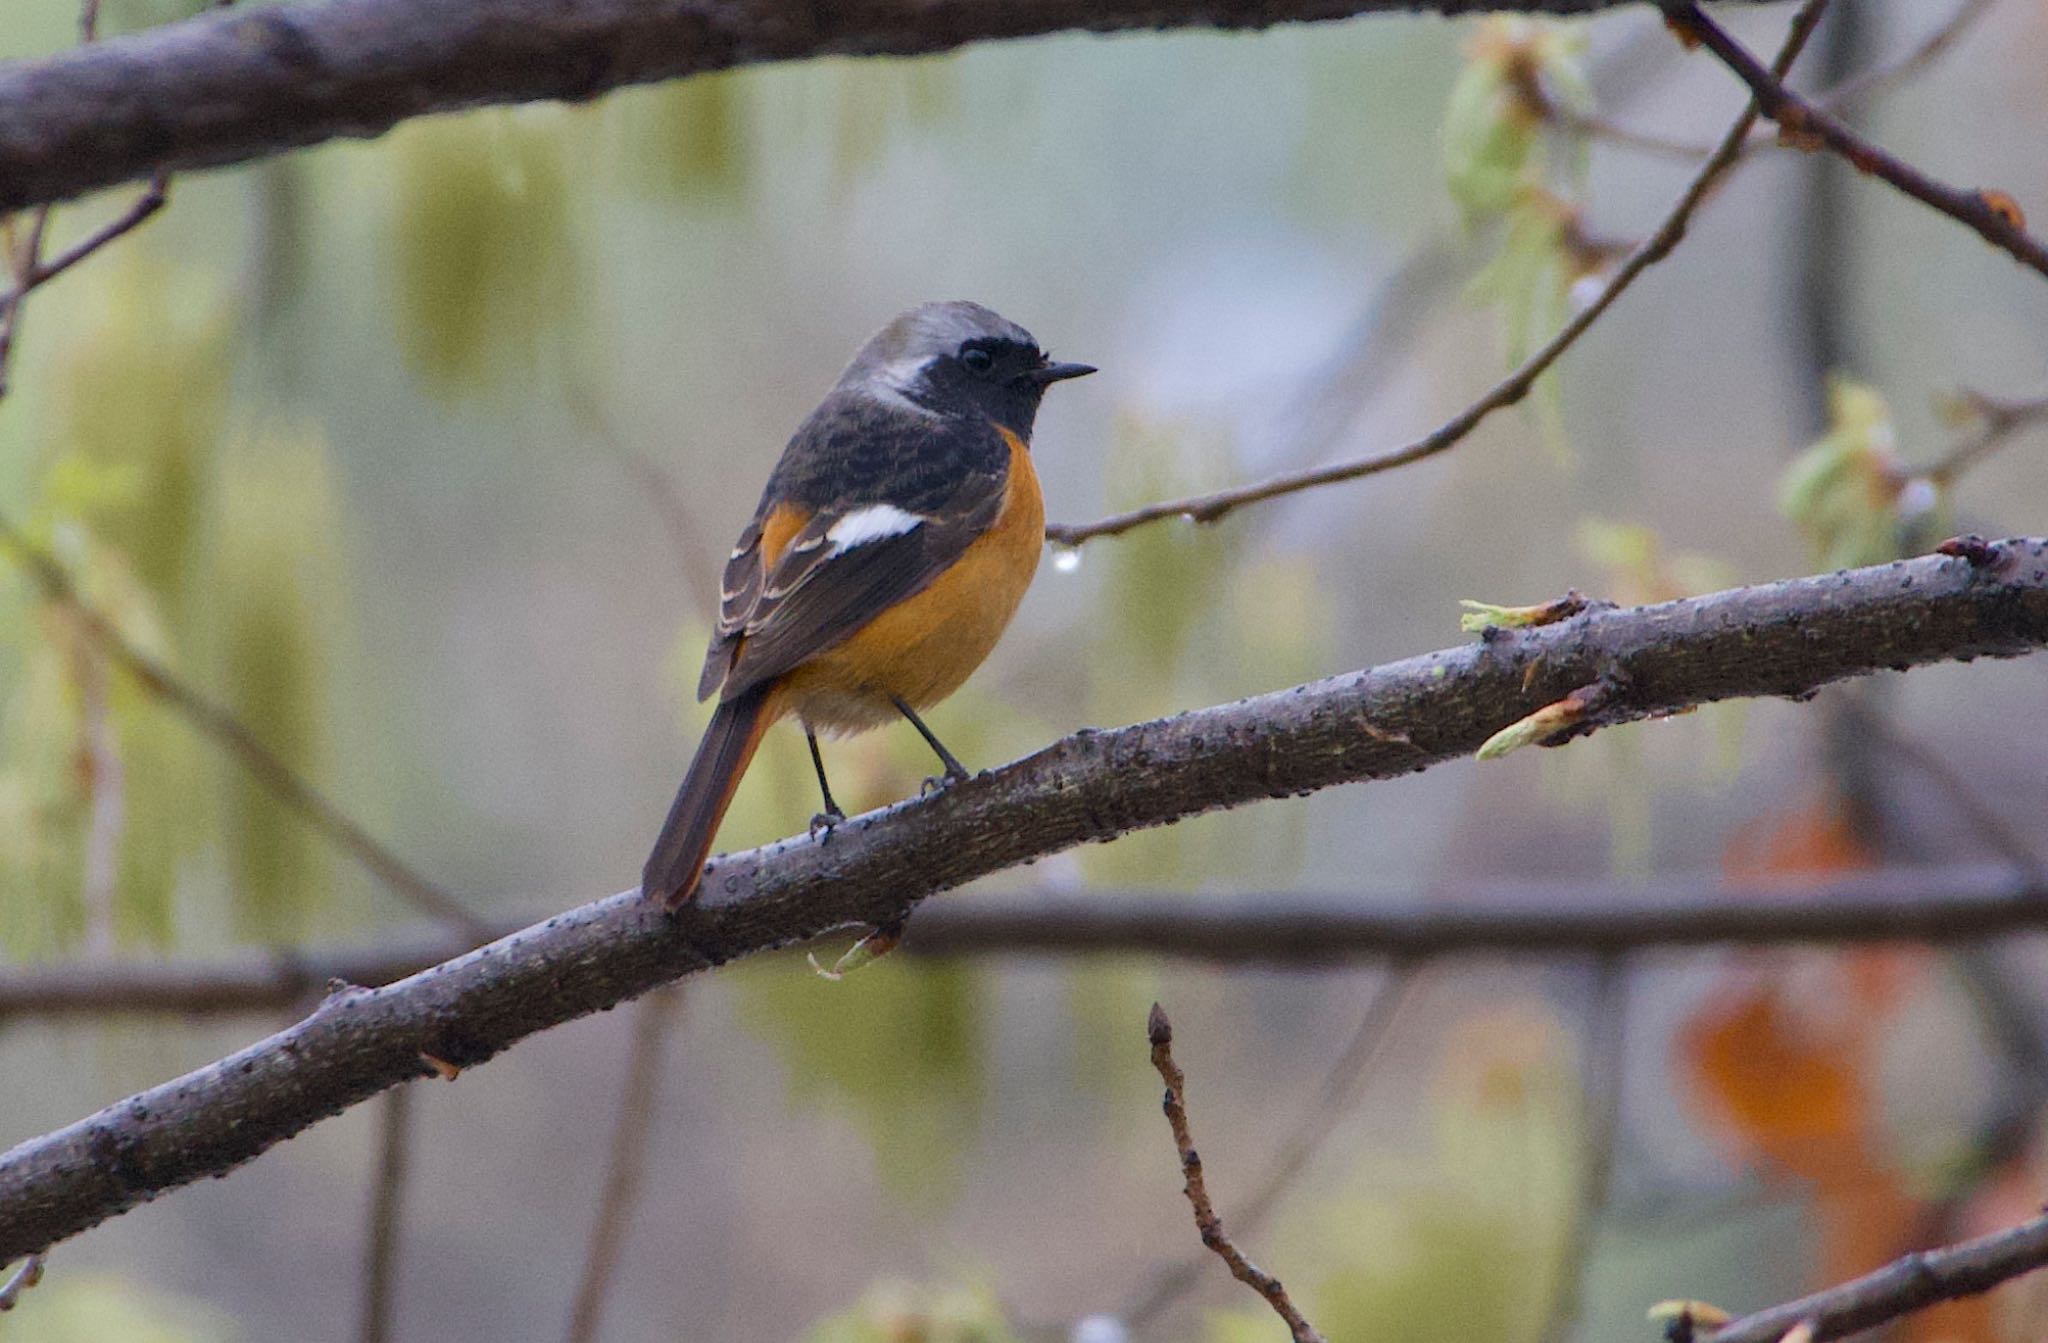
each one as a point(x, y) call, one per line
point(922, 648)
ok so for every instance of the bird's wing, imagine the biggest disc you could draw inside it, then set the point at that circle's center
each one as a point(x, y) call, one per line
point(843, 565)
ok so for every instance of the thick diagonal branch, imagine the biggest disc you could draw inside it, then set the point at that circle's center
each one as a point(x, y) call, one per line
point(227, 88)
point(1786, 638)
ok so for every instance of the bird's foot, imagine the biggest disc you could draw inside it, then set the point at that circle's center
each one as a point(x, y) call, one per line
point(824, 822)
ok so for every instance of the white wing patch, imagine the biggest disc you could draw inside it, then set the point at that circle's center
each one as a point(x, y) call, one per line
point(873, 523)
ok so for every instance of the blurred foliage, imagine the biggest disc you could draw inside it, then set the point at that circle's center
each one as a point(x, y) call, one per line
point(70, 1307)
point(877, 99)
point(899, 1048)
point(483, 233)
point(1842, 493)
point(1494, 148)
point(1501, 167)
point(901, 1312)
point(275, 607)
point(141, 395)
point(688, 139)
point(165, 524)
point(1461, 1242)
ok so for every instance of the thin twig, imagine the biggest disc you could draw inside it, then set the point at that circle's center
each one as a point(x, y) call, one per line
point(1839, 98)
point(1340, 1087)
point(1998, 421)
point(30, 270)
point(28, 1275)
point(215, 722)
point(625, 1169)
point(1908, 1284)
point(1600, 1073)
point(1507, 392)
point(387, 1200)
point(1159, 1031)
point(1806, 122)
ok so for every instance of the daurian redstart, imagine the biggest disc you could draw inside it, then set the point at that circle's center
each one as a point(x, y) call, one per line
point(892, 545)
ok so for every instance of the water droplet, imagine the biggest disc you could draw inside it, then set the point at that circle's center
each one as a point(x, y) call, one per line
point(1066, 559)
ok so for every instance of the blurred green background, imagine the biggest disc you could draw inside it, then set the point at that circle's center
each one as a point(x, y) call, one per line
point(422, 453)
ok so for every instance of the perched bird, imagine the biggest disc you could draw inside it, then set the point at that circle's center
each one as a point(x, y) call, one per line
point(894, 540)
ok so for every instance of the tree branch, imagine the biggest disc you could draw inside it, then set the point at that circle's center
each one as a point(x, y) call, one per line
point(1159, 1032)
point(1806, 123)
point(1508, 391)
point(1901, 1287)
point(1785, 638)
point(1929, 906)
point(221, 89)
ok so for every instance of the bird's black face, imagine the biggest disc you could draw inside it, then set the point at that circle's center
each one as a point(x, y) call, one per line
point(993, 376)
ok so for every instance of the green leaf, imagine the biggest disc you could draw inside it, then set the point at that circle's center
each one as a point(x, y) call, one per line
point(1489, 142)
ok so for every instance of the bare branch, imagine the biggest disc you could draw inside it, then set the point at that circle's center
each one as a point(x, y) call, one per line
point(387, 1199)
point(1159, 1031)
point(228, 88)
point(1805, 122)
point(624, 1171)
point(1509, 390)
point(1912, 1283)
point(1784, 638)
point(1340, 1088)
point(215, 722)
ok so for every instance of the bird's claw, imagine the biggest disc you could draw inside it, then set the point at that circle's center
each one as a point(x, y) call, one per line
point(823, 823)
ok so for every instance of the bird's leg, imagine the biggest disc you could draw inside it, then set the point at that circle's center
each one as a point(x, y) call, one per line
point(955, 771)
point(831, 816)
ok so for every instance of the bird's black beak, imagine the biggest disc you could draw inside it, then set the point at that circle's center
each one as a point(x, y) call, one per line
point(1051, 373)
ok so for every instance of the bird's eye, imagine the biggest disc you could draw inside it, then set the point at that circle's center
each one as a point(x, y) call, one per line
point(975, 359)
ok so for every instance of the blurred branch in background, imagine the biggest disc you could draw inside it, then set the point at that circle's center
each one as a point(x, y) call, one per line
point(1159, 1032)
point(1508, 391)
point(626, 1168)
point(213, 721)
point(1339, 1093)
point(220, 89)
point(1992, 215)
point(1522, 920)
point(387, 1205)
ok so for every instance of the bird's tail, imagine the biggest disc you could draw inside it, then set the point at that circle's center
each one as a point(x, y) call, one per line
point(677, 863)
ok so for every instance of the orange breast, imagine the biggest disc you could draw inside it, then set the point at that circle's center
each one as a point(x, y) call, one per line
point(922, 648)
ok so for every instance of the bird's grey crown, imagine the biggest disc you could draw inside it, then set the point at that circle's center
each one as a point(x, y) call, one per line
point(894, 356)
